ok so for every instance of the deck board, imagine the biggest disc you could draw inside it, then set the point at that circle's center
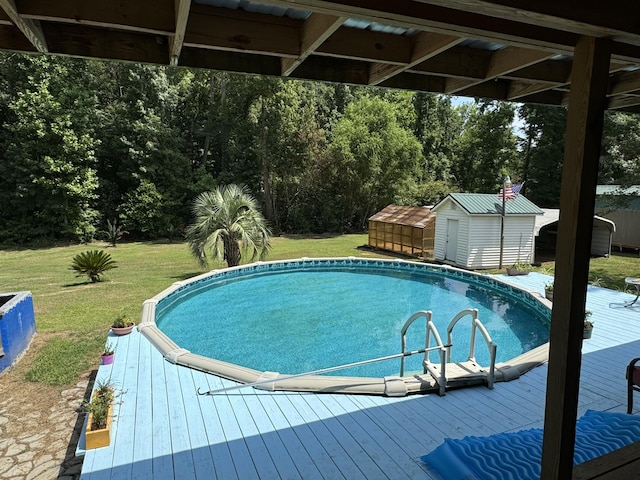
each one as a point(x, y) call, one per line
point(218, 447)
point(162, 463)
point(242, 459)
point(164, 430)
point(295, 440)
point(142, 448)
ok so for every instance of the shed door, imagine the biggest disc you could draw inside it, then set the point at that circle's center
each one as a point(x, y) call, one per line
point(452, 240)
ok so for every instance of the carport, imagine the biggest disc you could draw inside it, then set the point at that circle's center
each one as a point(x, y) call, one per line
point(546, 235)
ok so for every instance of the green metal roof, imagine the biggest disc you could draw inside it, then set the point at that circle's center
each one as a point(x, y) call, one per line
point(611, 198)
point(617, 190)
point(491, 204)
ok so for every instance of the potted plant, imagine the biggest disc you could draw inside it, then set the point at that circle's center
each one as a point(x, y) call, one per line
point(588, 325)
point(548, 291)
point(106, 357)
point(518, 268)
point(122, 325)
point(100, 410)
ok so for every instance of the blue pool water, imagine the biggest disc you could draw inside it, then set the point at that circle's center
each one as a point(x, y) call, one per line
point(307, 319)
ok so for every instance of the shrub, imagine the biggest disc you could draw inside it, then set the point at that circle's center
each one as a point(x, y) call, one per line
point(99, 405)
point(93, 263)
point(114, 232)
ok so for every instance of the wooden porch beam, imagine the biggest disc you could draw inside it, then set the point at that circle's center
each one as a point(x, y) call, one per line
point(587, 103)
point(356, 44)
point(503, 61)
point(182, 16)
point(625, 82)
point(132, 16)
point(623, 101)
point(315, 30)
point(425, 46)
point(518, 89)
point(30, 28)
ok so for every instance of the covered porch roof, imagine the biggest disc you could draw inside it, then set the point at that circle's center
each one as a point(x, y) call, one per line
point(503, 50)
point(582, 54)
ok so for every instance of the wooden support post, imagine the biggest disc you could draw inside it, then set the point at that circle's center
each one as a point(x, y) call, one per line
point(587, 102)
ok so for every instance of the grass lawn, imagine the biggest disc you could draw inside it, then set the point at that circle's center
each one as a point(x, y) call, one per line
point(73, 316)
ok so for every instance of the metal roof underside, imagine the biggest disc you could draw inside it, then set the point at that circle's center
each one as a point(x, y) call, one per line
point(495, 49)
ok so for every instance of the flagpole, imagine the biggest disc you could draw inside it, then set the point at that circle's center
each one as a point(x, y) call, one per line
point(504, 201)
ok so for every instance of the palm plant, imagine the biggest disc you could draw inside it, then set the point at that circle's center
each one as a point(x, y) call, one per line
point(227, 223)
point(92, 263)
point(114, 232)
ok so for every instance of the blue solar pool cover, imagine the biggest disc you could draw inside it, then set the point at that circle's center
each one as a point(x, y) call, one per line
point(518, 455)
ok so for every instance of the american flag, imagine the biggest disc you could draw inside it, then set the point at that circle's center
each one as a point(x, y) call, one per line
point(510, 192)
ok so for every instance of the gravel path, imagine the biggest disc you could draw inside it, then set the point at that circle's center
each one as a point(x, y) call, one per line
point(39, 427)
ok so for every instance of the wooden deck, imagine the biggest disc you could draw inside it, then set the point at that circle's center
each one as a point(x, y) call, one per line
point(164, 430)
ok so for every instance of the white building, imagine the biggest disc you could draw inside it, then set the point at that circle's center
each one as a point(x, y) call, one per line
point(622, 206)
point(546, 232)
point(468, 227)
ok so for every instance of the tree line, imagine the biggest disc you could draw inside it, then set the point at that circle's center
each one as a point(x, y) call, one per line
point(90, 145)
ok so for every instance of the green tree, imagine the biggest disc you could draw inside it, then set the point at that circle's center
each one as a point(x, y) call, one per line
point(544, 128)
point(488, 147)
point(438, 127)
point(373, 158)
point(287, 136)
point(620, 159)
point(227, 223)
point(49, 180)
point(147, 180)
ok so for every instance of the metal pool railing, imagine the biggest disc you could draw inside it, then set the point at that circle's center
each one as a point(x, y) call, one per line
point(318, 372)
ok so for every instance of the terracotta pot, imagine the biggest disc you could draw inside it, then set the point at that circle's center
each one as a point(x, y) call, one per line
point(122, 330)
point(514, 271)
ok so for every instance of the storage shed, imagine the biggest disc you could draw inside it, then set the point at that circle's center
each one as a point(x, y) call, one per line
point(622, 206)
point(468, 230)
point(408, 230)
point(546, 232)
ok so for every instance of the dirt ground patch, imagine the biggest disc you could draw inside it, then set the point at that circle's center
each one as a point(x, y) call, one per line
point(39, 424)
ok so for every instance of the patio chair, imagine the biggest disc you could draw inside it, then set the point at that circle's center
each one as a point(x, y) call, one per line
point(633, 382)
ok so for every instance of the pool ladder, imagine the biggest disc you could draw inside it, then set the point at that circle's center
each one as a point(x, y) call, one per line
point(445, 373)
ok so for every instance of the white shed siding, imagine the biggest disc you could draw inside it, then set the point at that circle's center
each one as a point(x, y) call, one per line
point(446, 212)
point(464, 238)
point(440, 242)
point(627, 232)
point(484, 251)
point(601, 240)
point(478, 236)
point(518, 240)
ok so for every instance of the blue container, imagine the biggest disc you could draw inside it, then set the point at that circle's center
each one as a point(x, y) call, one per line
point(17, 326)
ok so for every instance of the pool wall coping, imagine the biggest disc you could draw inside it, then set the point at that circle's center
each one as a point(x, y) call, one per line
point(389, 386)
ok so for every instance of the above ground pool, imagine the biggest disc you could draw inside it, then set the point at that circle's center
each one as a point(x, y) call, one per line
point(303, 315)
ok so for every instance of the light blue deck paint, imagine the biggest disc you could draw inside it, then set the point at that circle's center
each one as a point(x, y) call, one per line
point(308, 428)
